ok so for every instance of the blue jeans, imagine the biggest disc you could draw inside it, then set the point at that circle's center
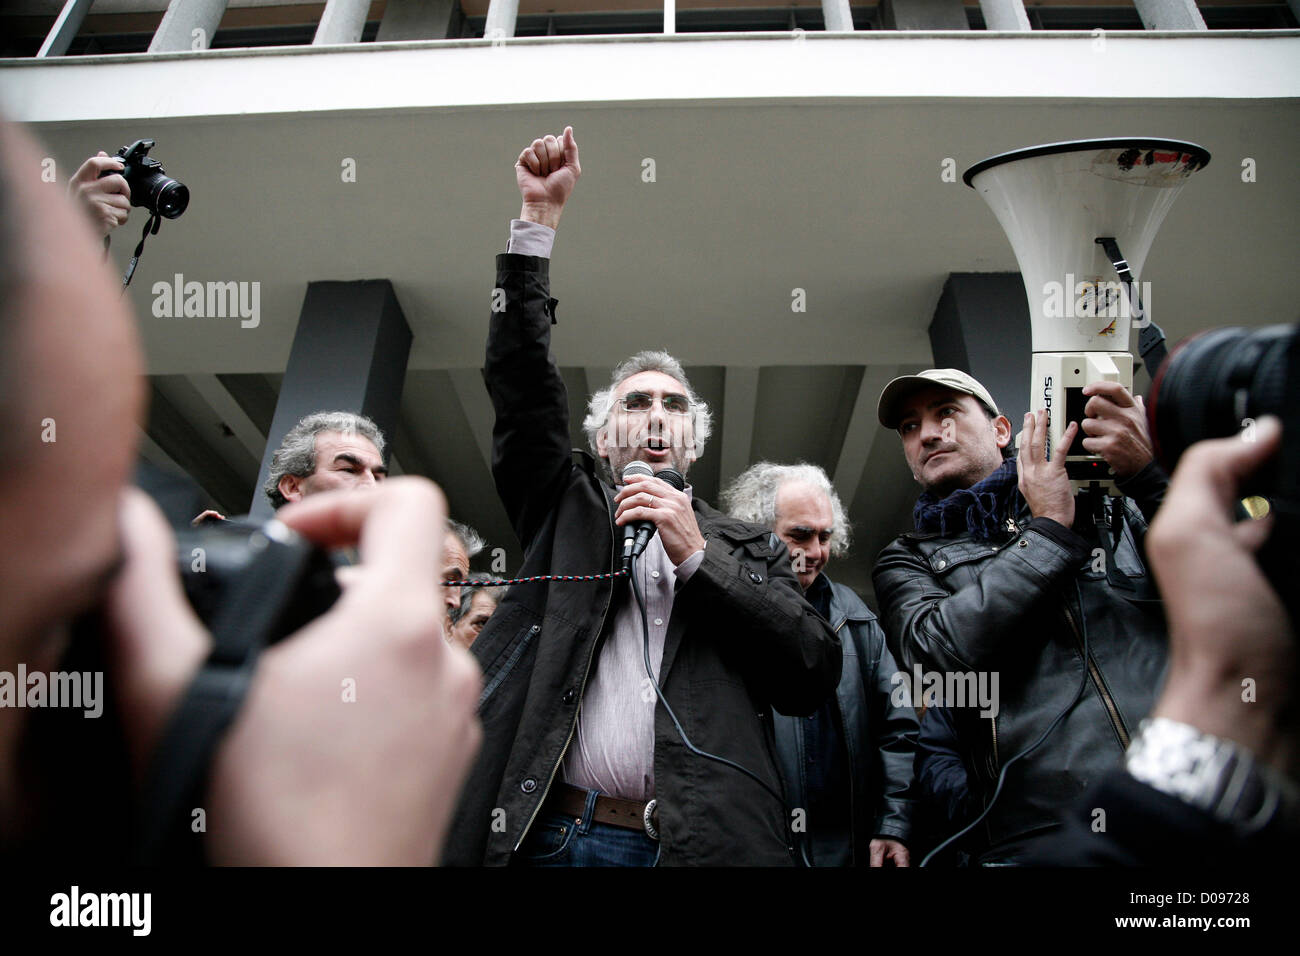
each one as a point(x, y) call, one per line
point(558, 840)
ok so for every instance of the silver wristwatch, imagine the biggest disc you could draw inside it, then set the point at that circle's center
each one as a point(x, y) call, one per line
point(1215, 775)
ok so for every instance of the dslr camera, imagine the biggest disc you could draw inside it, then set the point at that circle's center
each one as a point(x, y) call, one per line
point(151, 188)
point(1216, 384)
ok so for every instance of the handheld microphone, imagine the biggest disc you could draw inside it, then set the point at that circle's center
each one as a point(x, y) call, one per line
point(646, 529)
point(634, 469)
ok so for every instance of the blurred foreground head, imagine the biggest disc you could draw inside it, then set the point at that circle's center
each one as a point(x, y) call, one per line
point(70, 397)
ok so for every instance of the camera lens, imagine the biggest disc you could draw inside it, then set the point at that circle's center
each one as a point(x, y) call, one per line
point(1211, 383)
point(172, 198)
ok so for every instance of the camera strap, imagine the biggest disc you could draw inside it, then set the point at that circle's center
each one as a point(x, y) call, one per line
point(1110, 537)
point(1151, 340)
point(150, 229)
point(167, 828)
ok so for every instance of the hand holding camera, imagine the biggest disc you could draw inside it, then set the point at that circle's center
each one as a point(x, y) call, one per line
point(334, 709)
point(99, 186)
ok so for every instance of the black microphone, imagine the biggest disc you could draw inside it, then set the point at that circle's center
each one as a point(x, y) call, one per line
point(635, 469)
point(646, 529)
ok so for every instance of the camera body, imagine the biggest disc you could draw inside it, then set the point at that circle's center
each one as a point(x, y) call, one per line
point(228, 567)
point(151, 188)
point(1217, 384)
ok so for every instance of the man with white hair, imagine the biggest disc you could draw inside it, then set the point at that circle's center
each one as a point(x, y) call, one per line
point(847, 767)
point(626, 723)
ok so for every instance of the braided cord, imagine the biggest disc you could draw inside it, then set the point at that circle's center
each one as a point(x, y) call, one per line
point(537, 577)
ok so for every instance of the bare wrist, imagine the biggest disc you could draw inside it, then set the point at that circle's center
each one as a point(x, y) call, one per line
point(542, 214)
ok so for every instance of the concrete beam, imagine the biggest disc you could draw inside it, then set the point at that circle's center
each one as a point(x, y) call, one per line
point(225, 407)
point(1005, 15)
point(65, 28)
point(477, 408)
point(188, 25)
point(417, 20)
point(349, 352)
point(860, 436)
point(838, 16)
point(1170, 15)
point(923, 15)
point(740, 399)
point(981, 326)
point(341, 22)
point(501, 17)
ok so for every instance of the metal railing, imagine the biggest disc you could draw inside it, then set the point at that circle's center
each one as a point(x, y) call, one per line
point(191, 25)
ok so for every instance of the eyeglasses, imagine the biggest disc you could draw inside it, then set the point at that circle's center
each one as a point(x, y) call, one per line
point(673, 403)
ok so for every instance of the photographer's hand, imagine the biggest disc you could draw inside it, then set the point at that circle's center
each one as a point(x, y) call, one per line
point(108, 200)
point(357, 730)
point(546, 173)
point(1116, 428)
point(1044, 484)
point(1226, 623)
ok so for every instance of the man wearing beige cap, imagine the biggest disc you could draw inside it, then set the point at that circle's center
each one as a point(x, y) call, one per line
point(1002, 576)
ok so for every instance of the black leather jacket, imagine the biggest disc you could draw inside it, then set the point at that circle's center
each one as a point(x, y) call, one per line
point(879, 736)
point(741, 639)
point(1023, 606)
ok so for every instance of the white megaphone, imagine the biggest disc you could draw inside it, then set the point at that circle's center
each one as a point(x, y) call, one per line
point(1081, 217)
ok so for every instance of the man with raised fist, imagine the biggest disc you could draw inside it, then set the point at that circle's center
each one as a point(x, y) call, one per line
point(593, 688)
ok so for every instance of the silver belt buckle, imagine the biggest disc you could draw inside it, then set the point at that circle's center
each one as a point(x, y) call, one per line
point(651, 830)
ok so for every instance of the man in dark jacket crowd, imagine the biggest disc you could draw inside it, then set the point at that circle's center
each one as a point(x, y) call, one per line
point(1006, 584)
point(847, 767)
point(583, 762)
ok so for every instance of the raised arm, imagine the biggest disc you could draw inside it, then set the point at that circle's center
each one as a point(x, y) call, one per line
point(530, 439)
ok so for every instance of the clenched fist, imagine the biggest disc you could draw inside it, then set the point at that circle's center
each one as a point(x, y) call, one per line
point(546, 172)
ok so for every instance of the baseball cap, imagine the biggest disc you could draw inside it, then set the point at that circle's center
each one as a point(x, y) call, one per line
point(890, 407)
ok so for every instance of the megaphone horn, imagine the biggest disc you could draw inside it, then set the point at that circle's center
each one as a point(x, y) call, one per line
point(1081, 217)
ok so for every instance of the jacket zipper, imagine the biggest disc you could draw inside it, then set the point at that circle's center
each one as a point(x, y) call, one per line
point(993, 723)
point(573, 726)
point(1013, 529)
point(1116, 723)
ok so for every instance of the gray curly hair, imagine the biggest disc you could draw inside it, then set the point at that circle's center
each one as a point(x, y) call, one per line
point(751, 496)
point(297, 452)
point(601, 403)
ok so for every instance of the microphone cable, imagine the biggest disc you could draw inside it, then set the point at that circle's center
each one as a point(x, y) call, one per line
point(645, 632)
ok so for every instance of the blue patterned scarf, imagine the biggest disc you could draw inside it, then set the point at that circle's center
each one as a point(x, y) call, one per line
point(982, 509)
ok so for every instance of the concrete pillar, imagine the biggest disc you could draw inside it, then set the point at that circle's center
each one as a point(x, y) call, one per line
point(923, 15)
point(65, 28)
point(501, 17)
point(1170, 15)
point(342, 22)
point(981, 325)
point(838, 17)
point(416, 20)
point(188, 25)
point(349, 354)
point(1004, 15)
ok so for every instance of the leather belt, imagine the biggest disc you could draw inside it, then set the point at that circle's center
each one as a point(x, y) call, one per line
point(617, 812)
